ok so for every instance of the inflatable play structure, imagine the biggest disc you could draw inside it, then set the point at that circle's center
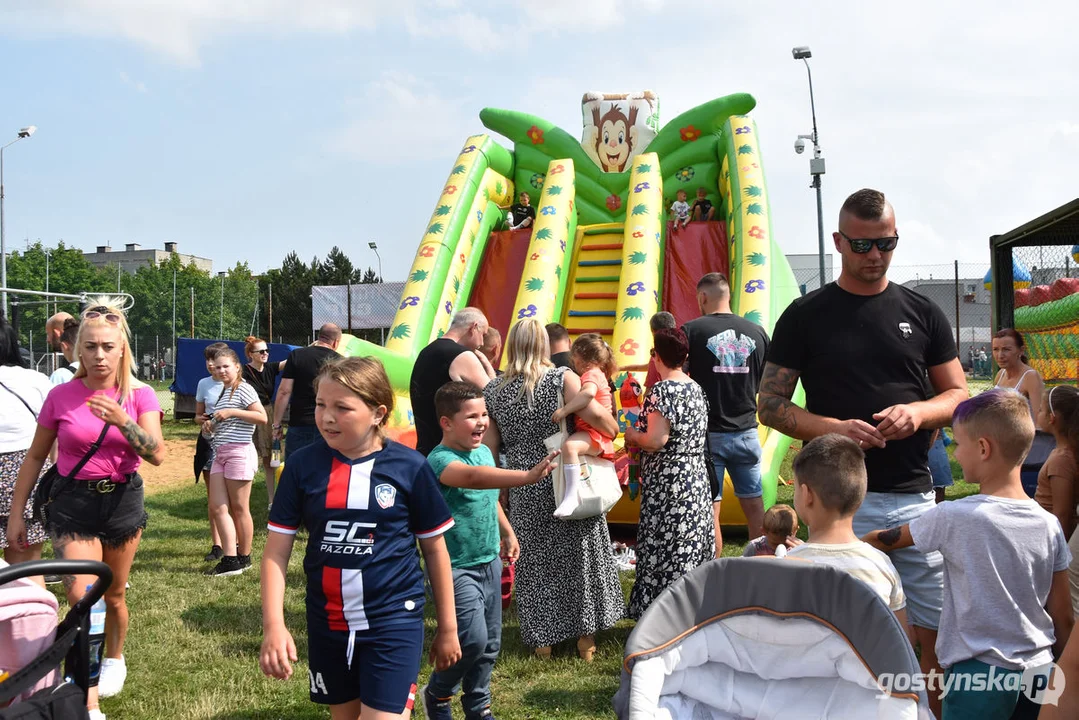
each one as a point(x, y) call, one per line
point(1048, 318)
point(601, 256)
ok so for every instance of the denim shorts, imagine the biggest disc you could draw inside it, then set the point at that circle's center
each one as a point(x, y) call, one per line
point(922, 574)
point(939, 466)
point(738, 454)
point(86, 509)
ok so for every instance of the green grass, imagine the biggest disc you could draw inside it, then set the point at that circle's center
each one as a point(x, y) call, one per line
point(192, 650)
point(193, 646)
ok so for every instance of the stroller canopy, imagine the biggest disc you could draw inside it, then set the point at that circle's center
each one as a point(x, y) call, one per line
point(768, 638)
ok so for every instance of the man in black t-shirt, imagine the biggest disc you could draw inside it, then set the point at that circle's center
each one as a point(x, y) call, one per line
point(454, 356)
point(558, 338)
point(522, 214)
point(726, 358)
point(864, 349)
point(702, 206)
point(297, 390)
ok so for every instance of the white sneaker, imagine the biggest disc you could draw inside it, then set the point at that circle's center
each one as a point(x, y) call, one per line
point(96, 714)
point(113, 675)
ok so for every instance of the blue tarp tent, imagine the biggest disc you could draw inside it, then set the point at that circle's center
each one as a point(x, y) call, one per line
point(191, 365)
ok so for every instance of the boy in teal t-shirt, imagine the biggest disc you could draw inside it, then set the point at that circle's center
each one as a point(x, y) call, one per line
point(470, 483)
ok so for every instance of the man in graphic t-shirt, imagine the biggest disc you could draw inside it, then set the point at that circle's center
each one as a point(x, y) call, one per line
point(863, 349)
point(297, 390)
point(522, 214)
point(726, 358)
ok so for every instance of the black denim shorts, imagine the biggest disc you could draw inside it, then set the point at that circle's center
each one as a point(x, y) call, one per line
point(110, 512)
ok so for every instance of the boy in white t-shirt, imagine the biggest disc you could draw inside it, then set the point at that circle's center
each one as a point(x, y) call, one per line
point(829, 486)
point(680, 209)
point(1007, 605)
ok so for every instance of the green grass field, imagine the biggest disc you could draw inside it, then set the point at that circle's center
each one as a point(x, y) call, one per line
point(193, 647)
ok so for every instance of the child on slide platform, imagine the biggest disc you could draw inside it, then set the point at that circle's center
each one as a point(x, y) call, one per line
point(594, 361)
point(680, 210)
point(1006, 603)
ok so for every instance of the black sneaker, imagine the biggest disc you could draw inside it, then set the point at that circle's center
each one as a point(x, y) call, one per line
point(435, 708)
point(486, 714)
point(229, 565)
point(53, 579)
point(245, 561)
point(215, 554)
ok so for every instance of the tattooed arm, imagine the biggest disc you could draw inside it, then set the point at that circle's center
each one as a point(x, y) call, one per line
point(777, 410)
point(145, 437)
point(892, 539)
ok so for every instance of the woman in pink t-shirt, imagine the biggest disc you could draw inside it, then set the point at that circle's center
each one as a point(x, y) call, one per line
point(98, 514)
point(593, 359)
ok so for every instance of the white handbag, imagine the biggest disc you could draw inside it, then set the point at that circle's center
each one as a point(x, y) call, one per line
point(598, 489)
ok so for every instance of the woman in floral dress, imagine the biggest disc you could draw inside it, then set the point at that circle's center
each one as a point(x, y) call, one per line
point(675, 533)
point(566, 579)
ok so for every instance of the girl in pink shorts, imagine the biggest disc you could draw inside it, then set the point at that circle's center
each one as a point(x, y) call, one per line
point(231, 428)
point(593, 359)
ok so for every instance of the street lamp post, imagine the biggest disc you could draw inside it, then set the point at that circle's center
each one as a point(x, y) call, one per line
point(23, 133)
point(816, 163)
point(221, 329)
point(374, 246)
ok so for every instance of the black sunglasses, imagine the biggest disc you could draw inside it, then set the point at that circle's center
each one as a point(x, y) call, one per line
point(263, 351)
point(864, 245)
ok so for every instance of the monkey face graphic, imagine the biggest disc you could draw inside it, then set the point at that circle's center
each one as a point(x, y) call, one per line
point(616, 137)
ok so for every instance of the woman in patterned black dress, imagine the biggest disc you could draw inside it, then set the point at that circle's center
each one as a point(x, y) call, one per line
point(675, 533)
point(566, 580)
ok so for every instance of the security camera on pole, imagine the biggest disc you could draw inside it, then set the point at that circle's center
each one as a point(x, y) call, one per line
point(816, 163)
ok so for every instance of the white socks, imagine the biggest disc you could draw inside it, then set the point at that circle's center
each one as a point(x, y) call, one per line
point(572, 474)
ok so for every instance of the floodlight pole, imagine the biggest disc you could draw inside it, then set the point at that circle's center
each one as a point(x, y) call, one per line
point(816, 163)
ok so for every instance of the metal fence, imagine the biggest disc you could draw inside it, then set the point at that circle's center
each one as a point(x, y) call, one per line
point(959, 290)
point(1046, 308)
point(366, 311)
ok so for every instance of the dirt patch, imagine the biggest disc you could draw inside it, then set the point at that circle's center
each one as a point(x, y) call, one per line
point(177, 470)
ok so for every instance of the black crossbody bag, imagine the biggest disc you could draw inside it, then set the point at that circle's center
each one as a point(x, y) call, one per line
point(52, 483)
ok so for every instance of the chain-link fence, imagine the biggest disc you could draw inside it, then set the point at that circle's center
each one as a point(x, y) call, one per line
point(1046, 308)
point(959, 290)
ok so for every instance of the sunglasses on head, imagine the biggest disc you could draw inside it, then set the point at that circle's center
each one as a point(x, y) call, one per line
point(102, 311)
point(864, 245)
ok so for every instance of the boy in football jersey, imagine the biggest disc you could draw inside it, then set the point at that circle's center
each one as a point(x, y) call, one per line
point(470, 483)
point(364, 500)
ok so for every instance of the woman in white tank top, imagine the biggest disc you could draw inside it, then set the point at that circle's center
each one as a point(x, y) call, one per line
point(1009, 352)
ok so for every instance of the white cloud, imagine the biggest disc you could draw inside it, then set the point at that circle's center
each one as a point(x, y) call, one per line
point(178, 29)
point(401, 118)
point(136, 84)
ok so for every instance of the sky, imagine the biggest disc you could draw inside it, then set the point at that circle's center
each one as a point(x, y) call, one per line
point(245, 130)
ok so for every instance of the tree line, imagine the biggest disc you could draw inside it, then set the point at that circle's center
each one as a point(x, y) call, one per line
point(199, 310)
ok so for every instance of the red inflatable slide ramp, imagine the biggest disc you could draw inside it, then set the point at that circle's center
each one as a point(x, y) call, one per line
point(693, 251)
point(499, 276)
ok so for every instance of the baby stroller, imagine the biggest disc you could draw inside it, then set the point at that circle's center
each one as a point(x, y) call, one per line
point(70, 645)
point(768, 638)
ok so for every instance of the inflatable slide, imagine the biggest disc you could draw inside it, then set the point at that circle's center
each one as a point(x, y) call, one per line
point(600, 256)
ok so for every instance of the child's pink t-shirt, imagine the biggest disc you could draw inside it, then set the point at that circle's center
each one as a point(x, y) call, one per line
point(603, 390)
point(66, 412)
